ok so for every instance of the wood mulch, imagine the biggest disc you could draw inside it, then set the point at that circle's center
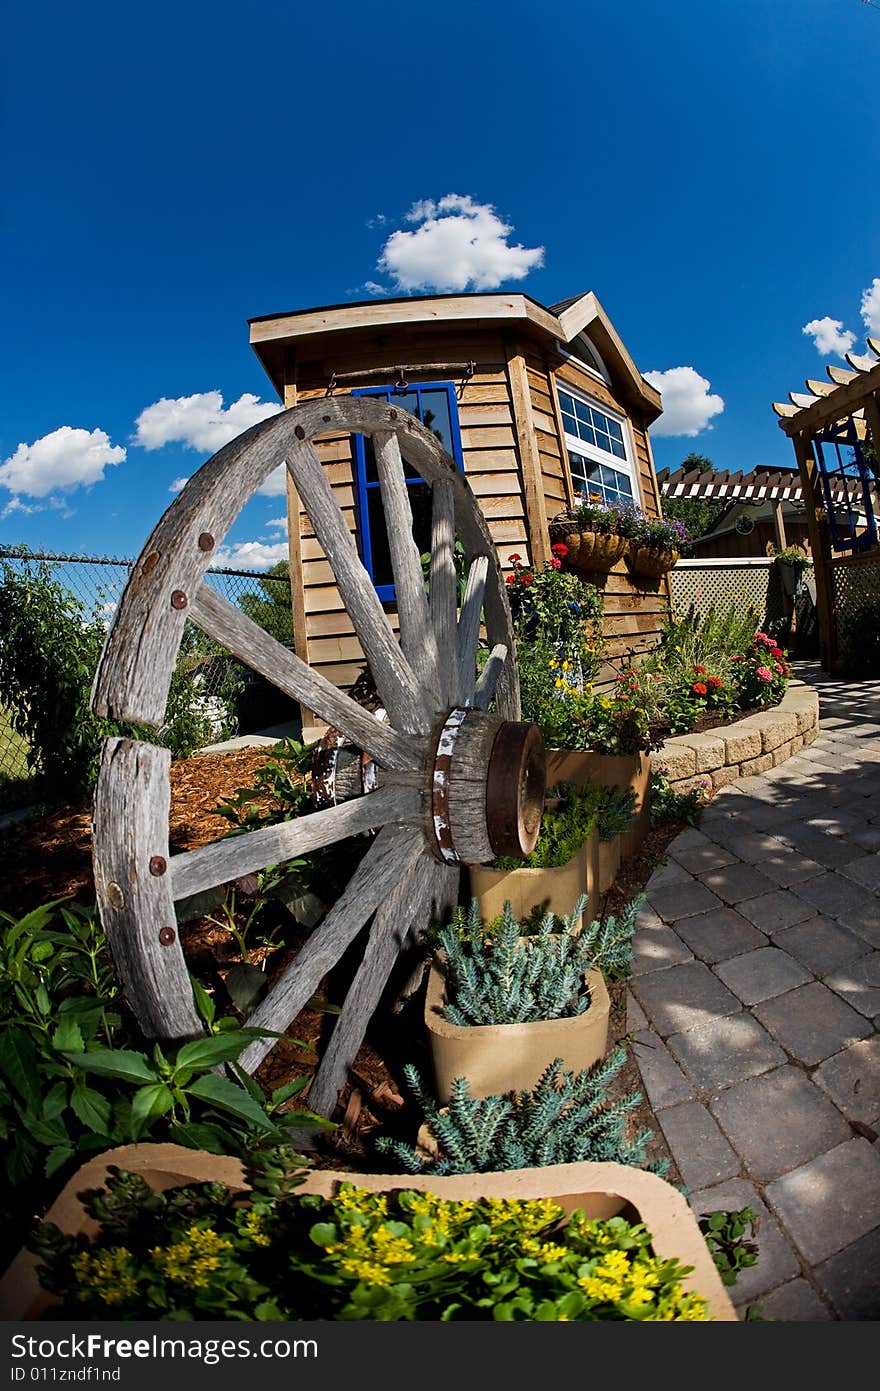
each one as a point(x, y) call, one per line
point(49, 857)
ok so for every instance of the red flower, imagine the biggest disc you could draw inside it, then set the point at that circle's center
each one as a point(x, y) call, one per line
point(776, 652)
point(701, 671)
point(510, 579)
point(514, 559)
point(525, 579)
point(560, 549)
point(556, 562)
point(715, 682)
point(738, 658)
point(698, 688)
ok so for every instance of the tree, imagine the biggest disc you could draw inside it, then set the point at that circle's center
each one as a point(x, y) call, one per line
point(271, 607)
point(697, 514)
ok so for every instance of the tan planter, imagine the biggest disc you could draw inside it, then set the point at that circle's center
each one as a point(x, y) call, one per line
point(600, 1190)
point(582, 767)
point(498, 1058)
point(651, 562)
point(554, 890)
point(603, 863)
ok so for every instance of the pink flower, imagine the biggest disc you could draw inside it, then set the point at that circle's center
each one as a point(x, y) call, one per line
point(556, 562)
point(780, 669)
point(764, 674)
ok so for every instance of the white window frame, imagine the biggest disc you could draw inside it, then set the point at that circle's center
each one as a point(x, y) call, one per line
point(591, 451)
point(600, 372)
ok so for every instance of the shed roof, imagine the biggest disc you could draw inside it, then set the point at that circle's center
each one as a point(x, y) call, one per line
point(762, 484)
point(271, 333)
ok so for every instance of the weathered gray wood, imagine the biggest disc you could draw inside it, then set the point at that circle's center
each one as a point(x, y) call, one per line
point(135, 667)
point(485, 687)
point(130, 828)
point(445, 897)
point(411, 901)
point(467, 788)
point(226, 624)
point(225, 860)
point(395, 679)
point(469, 628)
point(416, 634)
point(444, 585)
point(390, 857)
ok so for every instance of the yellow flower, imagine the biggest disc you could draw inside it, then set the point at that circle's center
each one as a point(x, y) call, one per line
point(107, 1274)
point(366, 1270)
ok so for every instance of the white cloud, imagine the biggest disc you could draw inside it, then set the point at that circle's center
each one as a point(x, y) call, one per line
point(460, 245)
point(277, 524)
point(373, 287)
point(688, 405)
point(178, 484)
point(829, 335)
point(67, 458)
point(276, 484)
point(251, 555)
point(200, 421)
point(871, 307)
point(15, 504)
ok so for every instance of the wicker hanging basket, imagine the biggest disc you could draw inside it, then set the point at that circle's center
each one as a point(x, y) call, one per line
point(590, 553)
point(651, 562)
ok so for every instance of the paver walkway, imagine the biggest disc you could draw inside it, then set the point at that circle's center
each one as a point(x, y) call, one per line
point(755, 1000)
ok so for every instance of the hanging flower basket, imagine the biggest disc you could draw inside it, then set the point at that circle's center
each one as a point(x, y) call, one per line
point(651, 562)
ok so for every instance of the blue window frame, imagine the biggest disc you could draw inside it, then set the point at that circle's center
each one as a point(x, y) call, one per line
point(836, 467)
point(435, 405)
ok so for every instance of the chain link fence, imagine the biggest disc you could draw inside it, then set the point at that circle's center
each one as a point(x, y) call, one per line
point(235, 699)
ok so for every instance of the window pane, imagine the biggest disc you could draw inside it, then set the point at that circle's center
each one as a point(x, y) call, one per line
point(566, 403)
point(582, 411)
point(435, 416)
point(420, 502)
point(569, 423)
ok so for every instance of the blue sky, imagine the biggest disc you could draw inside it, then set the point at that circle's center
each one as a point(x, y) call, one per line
point(708, 171)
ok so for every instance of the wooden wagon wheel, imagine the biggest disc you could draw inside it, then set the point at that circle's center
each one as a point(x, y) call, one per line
point(457, 785)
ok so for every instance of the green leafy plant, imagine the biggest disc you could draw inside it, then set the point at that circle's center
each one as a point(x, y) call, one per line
point(496, 976)
point(667, 804)
point(616, 809)
point(567, 1117)
point(591, 513)
point(570, 817)
point(725, 1234)
point(208, 1253)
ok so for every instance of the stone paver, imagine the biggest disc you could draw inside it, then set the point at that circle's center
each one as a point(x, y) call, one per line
point(831, 1201)
point(682, 997)
point(777, 1121)
point(859, 984)
point(716, 936)
point(737, 882)
point(850, 1279)
point(762, 974)
point(725, 1051)
point(683, 900)
point(664, 1081)
point(822, 945)
point(812, 1022)
point(698, 1147)
point(777, 1260)
point(773, 911)
point(756, 1000)
point(852, 1080)
point(839, 897)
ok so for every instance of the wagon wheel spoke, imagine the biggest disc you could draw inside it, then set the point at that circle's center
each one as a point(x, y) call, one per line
point(226, 624)
point(390, 857)
point(224, 860)
point(395, 679)
point(411, 902)
point(489, 677)
point(469, 627)
point(416, 634)
point(444, 583)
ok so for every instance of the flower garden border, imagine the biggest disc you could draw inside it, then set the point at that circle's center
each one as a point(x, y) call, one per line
point(752, 745)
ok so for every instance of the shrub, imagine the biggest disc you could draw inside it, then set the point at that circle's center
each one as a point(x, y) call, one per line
point(571, 814)
point(669, 805)
point(207, 1253)
point(496, 976)
point(860, 640)
point(567, 1117)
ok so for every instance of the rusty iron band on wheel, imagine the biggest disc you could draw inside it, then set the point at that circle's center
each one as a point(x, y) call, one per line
point(440, 783)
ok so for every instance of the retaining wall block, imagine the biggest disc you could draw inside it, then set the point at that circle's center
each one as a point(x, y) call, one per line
point(756, 765)
point(710, 751)
point(782, 753)
point(722, 776)
point(777, 729)
point(679, 757)
point(743, 743)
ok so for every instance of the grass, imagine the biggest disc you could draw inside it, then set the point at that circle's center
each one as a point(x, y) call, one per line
point(17, 782)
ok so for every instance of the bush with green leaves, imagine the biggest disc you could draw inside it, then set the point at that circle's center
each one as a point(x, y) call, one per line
point(77, 1077)
point(206, 1252)
point(668, 804)
point(494, 975)
point(570, 817)
point(567, 1117)
point(49, 650)
point(616, 810)
point(725, 1233)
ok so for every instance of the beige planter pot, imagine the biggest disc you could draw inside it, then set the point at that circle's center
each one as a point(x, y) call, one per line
point(600, 1190)
point(554, 890)
point(498, 1058)
point(603, 863)
point(582, 767)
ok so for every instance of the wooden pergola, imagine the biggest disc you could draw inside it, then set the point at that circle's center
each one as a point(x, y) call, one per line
point(842, 413)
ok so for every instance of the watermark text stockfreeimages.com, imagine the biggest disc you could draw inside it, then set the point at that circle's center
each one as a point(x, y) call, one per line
point(96, 1347)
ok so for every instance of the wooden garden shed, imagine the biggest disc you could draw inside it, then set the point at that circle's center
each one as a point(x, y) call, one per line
point(534, 404)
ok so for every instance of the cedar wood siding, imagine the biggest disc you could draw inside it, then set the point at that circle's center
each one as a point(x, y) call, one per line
point(510, 437)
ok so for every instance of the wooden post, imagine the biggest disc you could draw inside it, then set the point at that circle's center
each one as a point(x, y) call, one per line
point(778, 524)
point(819, 545)
point(529, 458)
point(294, 545)
point(872, 417)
